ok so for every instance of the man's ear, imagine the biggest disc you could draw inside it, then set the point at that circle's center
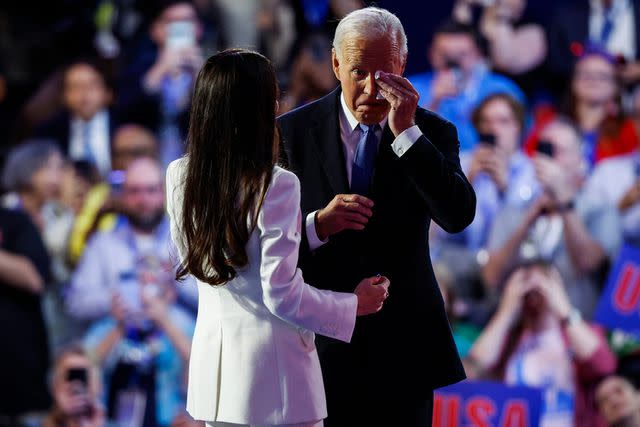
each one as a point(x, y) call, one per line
point(335, 63)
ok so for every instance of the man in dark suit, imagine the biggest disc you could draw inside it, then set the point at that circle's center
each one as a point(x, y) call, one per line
point(368, 195)
point(84, 128)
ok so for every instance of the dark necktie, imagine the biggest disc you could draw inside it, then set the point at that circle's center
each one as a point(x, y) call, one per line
point(364, 160)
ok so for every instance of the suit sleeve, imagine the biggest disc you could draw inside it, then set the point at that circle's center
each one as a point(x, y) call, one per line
point(433, 166)
point(285, 293)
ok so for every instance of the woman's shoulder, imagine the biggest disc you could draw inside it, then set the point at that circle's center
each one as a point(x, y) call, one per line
point(283, 177)
point(284, 185)
point(175, 170)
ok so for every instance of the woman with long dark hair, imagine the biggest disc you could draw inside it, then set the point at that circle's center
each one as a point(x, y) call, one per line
point(235, 219)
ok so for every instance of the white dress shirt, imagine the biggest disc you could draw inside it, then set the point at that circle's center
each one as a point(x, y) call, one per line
point(350, 136)
point(99, 141)
point(622, 40)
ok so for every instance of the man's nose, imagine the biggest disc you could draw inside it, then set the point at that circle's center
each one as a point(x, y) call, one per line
point(370, 87)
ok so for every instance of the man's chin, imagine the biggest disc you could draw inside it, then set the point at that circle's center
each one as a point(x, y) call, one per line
point(372, 115)
point(145, 223)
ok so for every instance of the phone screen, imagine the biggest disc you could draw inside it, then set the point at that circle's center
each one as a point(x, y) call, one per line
point(545, 147)
point(181, 34)
point(487, 138)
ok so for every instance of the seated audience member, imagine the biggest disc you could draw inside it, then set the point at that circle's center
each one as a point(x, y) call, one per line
point(157, 81)
point(578, 235)
point(32, 177)
point(460, 81)
point(75, 388)
point(619, 402)
point(501, 175)
point(143, 349)
point(83, 129)
point(594, 104)
point(24, 359)
point(139, 247)
point(34, 174)
point(538, 339)
point(98, 212)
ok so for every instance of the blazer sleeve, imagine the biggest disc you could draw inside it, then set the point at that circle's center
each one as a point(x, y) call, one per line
point(433, 165)
point(174, 204)
point(285, 293)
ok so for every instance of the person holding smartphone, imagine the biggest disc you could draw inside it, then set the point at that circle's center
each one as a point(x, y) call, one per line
point(156, 85)
point(501, 175)
point(75, 388)
point(576, 233)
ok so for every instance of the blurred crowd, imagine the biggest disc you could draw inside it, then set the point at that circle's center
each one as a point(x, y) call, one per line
point(96, 331)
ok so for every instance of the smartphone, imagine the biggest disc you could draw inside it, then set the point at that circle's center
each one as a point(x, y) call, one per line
point(453, 66)
point(545, 147)
point(77, 374)
point(488, 139)
point(181, 34)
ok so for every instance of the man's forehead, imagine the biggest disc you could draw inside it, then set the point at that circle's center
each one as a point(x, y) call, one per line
point(361, 50)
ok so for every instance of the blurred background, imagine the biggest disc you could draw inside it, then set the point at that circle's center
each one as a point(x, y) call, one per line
point(94, 103)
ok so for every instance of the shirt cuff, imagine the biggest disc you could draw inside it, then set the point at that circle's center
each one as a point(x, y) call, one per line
point(312, 235)
point(405, 140)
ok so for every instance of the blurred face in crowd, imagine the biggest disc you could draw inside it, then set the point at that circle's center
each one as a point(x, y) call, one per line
point(131, 142)
point(46, 181)
point(566, 147)
point(617, 400)
point(498, 118)
point(460, 48)
point(535, 304)
point(73, 188)
point(143, 195)
point(594, 80)
point(85, 91)
point(355, 68)
point(182, 12)
point(64, 390)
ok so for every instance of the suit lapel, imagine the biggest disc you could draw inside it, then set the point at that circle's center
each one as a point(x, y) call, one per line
point(326, 135)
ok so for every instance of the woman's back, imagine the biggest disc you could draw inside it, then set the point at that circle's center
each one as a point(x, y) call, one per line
point(253, 347)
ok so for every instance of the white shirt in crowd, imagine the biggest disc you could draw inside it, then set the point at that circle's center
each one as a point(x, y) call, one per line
point(622, 40)
point(96, 131)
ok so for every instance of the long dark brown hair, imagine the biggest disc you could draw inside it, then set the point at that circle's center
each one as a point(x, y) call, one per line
point(232, 148)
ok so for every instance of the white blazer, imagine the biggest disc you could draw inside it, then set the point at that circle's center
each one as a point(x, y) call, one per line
point(253, 357)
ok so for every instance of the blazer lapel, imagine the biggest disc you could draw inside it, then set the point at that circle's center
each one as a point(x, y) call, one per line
point(326, 135)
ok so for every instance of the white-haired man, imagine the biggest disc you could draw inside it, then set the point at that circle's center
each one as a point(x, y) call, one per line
point(375, 169)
